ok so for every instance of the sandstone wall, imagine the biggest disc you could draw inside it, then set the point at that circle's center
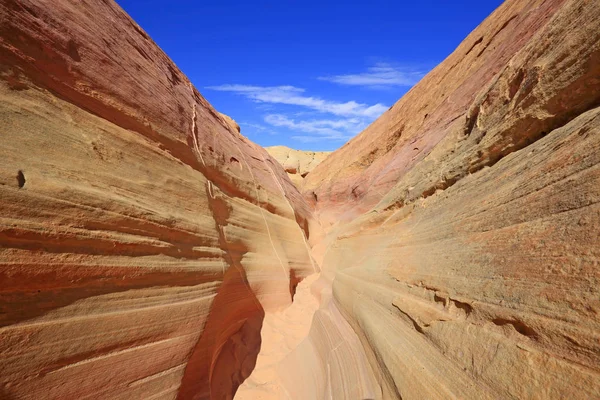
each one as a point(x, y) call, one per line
point(297, 163)
point(464, 233)
point(142, 238)
point(147, 248)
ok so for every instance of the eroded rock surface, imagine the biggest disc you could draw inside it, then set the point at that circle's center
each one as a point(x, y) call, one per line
point(463, 225)
point(231, 122)
point(148, 250)
point(297, 163)
point(142, 239)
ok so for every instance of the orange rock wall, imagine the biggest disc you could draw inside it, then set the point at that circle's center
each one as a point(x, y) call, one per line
point(134, 218)
point(147, 248)
point(463, 234)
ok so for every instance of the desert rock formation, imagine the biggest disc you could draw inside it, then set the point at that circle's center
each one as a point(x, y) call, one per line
point(463, 225)
point(142, 238)
point(297, 163)
point(231, 122)
point(150, 251)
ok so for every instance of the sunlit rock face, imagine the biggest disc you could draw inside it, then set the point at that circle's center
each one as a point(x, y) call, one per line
point(463, 225)
point(142, 238)
point(297, 163)
point(148, 250)
point(231, 122)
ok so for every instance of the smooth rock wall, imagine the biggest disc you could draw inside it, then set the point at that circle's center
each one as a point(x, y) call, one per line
point(142, 238)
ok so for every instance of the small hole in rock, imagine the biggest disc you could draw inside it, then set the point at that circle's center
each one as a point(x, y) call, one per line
point(73, 51)
point(294, 281)
point(21, 179)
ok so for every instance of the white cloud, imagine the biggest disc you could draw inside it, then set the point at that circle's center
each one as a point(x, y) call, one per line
point(248, 127)
point(381, 75)
point(313, 139)
point(294, 96)
point(322, 129)
point(254, 126)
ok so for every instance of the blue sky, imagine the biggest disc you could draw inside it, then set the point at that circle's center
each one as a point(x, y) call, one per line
point(306, 74)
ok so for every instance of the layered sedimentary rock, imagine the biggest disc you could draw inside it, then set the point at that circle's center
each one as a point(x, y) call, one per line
point(142, 238)
point(463, 239)
point(297, 163)
point(148, 250)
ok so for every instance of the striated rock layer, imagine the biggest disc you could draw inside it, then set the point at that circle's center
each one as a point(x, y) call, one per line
point(463, 240)
point(297, 163)
point(142, 238)
point(149, 251)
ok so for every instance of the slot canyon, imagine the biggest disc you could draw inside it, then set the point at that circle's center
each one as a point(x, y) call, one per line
point(149, 250)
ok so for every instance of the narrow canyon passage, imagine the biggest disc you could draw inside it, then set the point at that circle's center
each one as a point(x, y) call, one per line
point(149, 250)
point(281, 333)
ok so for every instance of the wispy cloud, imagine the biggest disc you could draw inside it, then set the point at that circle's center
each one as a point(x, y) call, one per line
point(381, 75)
point(315, 139)
point(321, 129)
point(292, 95)
point(256, 128)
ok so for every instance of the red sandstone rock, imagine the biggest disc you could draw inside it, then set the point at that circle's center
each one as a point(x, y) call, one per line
point(232, 124)
point(133, 218)
point(147, 248)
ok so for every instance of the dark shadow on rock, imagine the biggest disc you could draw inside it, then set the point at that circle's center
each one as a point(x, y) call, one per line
point(226, 353)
